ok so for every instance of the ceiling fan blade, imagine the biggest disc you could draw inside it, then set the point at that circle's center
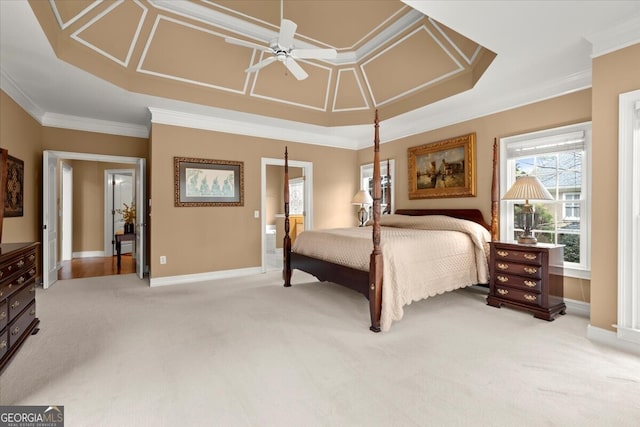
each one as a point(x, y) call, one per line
point(287, 31)
point(295, 69)
point(314, 53)
point(247, 44)
point(261, 64)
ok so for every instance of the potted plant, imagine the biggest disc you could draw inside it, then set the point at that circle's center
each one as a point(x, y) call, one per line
point(129, 217)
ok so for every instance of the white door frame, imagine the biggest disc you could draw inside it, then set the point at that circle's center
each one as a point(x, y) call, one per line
point(50, 195)
point(308, 197)
point(66, 185)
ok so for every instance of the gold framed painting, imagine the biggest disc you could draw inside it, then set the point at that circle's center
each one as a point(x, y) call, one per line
point(204, 182)
point(443, 169)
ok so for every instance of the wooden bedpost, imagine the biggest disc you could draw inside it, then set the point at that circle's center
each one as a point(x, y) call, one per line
point(375, 263)
point(286, 246)
point(495, 194)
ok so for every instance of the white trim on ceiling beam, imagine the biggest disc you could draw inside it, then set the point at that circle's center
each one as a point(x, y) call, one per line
point(94, 125)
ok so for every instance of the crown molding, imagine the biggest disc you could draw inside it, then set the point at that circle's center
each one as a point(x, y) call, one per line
point(8, 85)
point(261, 127)
point(94, 125)
point(615, 38)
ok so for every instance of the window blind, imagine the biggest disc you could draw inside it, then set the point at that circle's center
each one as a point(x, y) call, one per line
point(569, 141)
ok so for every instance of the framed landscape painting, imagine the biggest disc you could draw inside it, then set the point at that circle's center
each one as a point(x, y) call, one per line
point(203, 182)
point(443, 169)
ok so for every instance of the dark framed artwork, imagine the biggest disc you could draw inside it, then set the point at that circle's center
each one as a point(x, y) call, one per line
point(14, 188)
point(204, 182)
point(443, 169)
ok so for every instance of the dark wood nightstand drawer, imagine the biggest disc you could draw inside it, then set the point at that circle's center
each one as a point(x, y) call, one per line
point(19, 263)
point(524, 283)
point(534, 271)
point(508, 254)
point(518, 295)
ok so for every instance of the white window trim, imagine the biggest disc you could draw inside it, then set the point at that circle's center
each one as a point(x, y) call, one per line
point(582, 271)
point(628, 327)
point(366, 171)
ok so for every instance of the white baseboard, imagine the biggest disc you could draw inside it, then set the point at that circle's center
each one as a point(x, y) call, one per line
point(578, 308)
point(201, 277)
point(611, 339)
point(88, 254)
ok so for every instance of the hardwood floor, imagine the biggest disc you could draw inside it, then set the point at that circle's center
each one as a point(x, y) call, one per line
point(94, 267)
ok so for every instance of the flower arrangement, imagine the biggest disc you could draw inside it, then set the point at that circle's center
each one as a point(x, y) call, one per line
point(128, 213)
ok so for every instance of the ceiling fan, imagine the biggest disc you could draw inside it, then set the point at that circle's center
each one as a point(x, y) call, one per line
point(282, 50)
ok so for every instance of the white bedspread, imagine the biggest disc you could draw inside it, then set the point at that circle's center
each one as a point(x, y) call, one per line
point(422, 256)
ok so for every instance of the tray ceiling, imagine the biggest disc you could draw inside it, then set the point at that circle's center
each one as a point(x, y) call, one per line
point(390, 56)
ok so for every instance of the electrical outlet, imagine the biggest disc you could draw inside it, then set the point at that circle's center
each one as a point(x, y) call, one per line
point(256, 214)
point(163, 259)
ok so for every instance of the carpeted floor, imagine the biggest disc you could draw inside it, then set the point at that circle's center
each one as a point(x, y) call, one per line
point(248, 352)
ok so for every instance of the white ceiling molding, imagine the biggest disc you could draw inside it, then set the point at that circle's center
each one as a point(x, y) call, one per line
point(94, 125)
point(615, 38)
point(124, 62)
point(282, 130)
point(8, 85)
point(63, 24)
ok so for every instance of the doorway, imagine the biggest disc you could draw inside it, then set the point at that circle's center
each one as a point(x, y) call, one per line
point(51, 259)
point(272, 209)
point(119, 194)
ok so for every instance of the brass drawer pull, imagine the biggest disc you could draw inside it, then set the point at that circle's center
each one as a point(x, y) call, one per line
point(530, 256)
point(502, 266)
point(33, 290)
point(3, 315)
point(529, 297)
point(15, 304)
point(32, 272)
point(1, 273)
point(16, 331)
point(502, 253)
point(531, 270)
point(503, 279)
point(32, 312)
point(20, 280)
point(502, 291)
point(32, 257)
point(3, 344)
point(20, 263)
point(530, 284)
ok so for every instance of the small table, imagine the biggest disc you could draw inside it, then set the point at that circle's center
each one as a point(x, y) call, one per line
point(123, 237)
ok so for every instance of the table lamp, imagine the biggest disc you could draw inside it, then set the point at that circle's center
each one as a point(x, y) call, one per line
point(362, 198)
point(527, 188)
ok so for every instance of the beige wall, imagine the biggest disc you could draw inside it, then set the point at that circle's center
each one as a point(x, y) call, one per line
point(205, 239)
point(613, 74)
point(77, 141)
point(573, 108)
point(20, 134)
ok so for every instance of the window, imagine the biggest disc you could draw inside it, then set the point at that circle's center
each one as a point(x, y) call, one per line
point(387, 175)
point(560, 159)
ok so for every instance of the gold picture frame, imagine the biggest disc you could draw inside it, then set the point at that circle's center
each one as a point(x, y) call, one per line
point(443, 169)
point(204, 182)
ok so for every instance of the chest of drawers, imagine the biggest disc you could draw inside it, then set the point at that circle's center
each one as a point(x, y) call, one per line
point(528, 277)
point(18, 272)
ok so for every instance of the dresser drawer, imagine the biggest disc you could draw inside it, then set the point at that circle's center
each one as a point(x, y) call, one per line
point(20, 325)
point(4, 313)
point(524, 283)
point(22, 298)
point(534, 271)
point(4, 341)
point(518, 295)
point(21, 262)
point(12, 286)
point(508, 254)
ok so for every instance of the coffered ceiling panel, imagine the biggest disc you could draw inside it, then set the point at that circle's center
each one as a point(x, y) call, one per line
point(390, 56)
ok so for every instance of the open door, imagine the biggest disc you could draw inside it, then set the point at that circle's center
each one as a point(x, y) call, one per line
point(141, 225)
point(49, 220)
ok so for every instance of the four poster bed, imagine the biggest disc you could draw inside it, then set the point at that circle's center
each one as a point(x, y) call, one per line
point(424, 252)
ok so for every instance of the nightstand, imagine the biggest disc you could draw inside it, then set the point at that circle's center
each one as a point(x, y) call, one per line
point(529, 277)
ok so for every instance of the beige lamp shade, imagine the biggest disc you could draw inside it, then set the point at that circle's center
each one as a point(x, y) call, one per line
point(527, 188)
point(362, 197)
